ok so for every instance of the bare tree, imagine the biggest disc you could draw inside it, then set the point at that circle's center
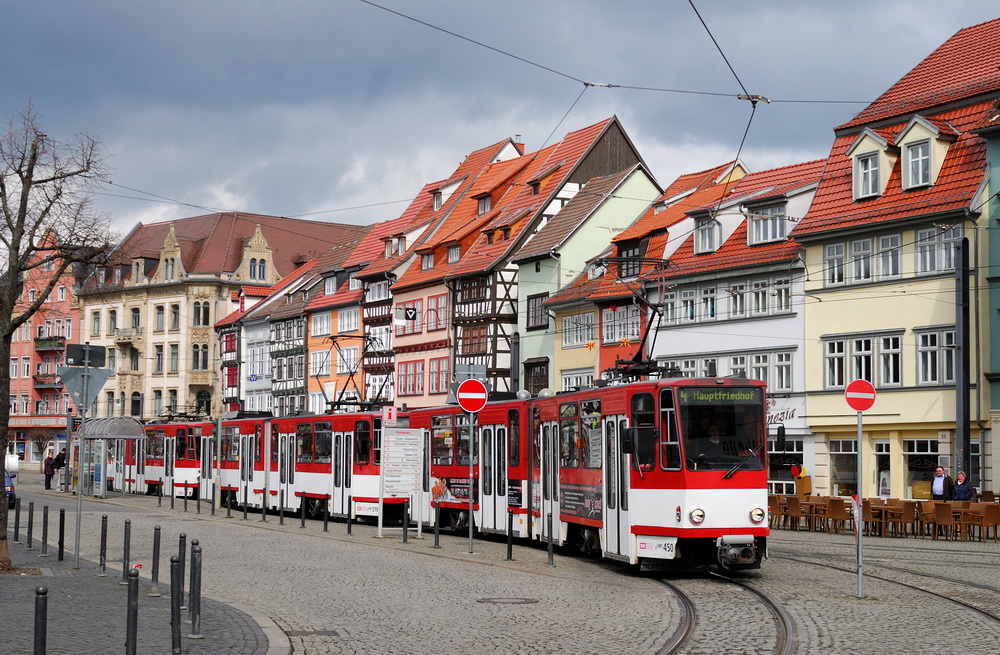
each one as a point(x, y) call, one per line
point(48, 223)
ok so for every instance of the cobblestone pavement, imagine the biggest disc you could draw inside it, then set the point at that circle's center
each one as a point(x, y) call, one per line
point(282, 588)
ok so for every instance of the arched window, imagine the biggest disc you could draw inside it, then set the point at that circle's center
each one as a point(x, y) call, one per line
point(204, 357)
point(197, 314)
point(253, 269)
point(261, 269)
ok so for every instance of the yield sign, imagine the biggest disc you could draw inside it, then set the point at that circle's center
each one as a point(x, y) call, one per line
point(472, 395)
point(860, 395)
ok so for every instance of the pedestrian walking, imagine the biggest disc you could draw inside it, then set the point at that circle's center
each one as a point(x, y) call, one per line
point(941, 485)
point(58, 463)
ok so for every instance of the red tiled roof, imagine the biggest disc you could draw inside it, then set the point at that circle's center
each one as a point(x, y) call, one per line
point(964, 66)
point(213, 243)
point(696, 181)
point(286, 281)
point(961, 173)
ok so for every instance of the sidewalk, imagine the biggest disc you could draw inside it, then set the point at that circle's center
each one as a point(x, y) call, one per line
point(87, 613)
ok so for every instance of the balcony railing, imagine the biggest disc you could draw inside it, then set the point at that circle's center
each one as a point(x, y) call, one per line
point(128, 334)
point(50, 343)
point(47, 380)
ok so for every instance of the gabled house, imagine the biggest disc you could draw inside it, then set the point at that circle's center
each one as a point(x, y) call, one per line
point(484, 282)
point(900, 205)
point(156, 305)
point(406, 305)
point(553, 258)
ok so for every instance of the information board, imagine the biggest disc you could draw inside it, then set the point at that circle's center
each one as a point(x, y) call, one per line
point(401, 450)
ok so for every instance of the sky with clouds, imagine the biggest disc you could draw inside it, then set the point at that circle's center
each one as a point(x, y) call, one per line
point(340, 110)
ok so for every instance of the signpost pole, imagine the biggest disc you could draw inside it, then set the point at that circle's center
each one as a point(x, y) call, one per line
point(472, 441)
point(82, 462)
point(857, 509)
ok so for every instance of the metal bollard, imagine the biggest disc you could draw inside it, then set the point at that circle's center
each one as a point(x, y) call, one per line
point(510, 535)
point(302, 511)
point(126, 551)
point(185, 499)
point(194, 544)
point(173, 494)
point(17, 521)
point(104, 545)
point(182, 554)
point(326, 513)
point(45, 531)
point(246, 505)
point(212, 504)
point(62, 533)
point(437, 526)
point(41, 618)
point(263, 507)
point(229, 503)
point(406, 518)
point(31, 520)
point(175, 605)
point(197, 502)
point(281, 507)
point(132, 620)
point(549, 522)
point(159, 494)
point(195, 593)
point(154, 592)
point(350, 506)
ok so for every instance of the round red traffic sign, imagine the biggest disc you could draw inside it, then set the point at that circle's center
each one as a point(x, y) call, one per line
point(472, 395)
point(860, 395)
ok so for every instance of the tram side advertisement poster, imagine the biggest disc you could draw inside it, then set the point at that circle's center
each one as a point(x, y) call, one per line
point(581, 500)
point(452, 490)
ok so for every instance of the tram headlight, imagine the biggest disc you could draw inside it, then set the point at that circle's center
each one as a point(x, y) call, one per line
point(697, 515)
point(757, 514)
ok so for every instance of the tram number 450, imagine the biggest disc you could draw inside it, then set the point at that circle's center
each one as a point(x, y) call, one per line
point(661, 547)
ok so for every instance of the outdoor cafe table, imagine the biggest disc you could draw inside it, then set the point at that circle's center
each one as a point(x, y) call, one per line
point(814, 509)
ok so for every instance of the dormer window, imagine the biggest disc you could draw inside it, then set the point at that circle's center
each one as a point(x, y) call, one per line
point(535, 185)
point(767, 224)
point(866, 175)
point(484, 204)
point(427, 262)
point(629, 266)
point(706, 236)
point(918, 164)
point(438, 200)
point(454, 254)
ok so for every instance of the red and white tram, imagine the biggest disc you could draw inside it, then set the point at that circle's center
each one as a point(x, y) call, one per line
point(662, 471)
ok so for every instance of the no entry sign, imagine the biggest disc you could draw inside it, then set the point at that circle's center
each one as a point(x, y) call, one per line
point(860, 395)
point(472, 395)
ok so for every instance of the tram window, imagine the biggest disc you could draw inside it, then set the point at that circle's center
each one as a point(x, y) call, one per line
point(464, 437)
point(611, 443)
point(442, 436)
point(180, 444)
point(194, 444)
point(338, 459)
point(590, 448)
point(377, 443)
point(569, 436)
point(362, 442)
point(643, 418)
point(324, 442)
point(257, 443)
point(487, 461)
point(304, 438)
point(514, 430)
point(670, 446)
point(536, 420)
point(274, 443)
point(501, 461)
point(230, 443)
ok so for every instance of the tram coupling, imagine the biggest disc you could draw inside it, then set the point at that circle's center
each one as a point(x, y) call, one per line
point(736, 549)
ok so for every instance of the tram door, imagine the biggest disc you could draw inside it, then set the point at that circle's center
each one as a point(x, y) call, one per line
point(205, 476)
point(246, 468)
point(550, 480)
point(342, 443)
point(138, 453)
point(882, 481)
point(169, 455)
point(286, 467)
point(616, 478)
point(493, 506)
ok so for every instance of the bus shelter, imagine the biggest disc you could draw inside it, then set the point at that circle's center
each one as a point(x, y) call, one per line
point(97, 437)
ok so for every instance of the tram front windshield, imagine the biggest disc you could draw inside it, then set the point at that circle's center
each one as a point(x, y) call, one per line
point(722, 427)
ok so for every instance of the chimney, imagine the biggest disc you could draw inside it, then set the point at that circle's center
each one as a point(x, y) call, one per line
point(518, 144)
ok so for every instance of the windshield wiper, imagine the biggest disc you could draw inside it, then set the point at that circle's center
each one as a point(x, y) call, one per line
point(737, 465)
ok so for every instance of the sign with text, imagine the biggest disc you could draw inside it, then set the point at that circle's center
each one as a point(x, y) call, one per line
point(401, 460)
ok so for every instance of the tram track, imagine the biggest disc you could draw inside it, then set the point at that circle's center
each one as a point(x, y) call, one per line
point(687, 632)
point(989, 615)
